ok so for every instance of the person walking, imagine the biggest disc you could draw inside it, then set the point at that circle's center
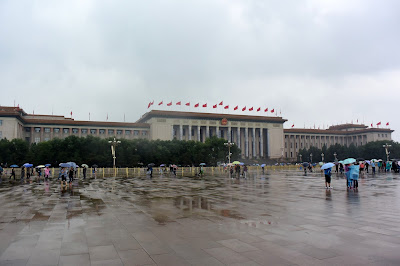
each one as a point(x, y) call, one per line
point(245, 171)
point(63, 175)
point(71, 174)
point(84, 172)
point(373, 167)
point(28, 173)
point(328, 173)
point(231, 171)
point(355, 173)
point(22, 172)
point(46, 173)
point(347, 169)
point(367, 166)
point(12, 173)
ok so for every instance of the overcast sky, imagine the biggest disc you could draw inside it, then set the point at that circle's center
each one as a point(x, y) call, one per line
point(319, 62)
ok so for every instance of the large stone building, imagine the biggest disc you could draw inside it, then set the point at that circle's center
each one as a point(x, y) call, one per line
point(256, 136)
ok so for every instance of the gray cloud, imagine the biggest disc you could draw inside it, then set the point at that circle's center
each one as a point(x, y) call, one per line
point(318, 61)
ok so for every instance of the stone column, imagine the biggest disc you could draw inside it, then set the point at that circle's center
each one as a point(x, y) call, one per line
point(261, 143)
point(238, 138)
point(207, 132)
point(198, 133)
point(172, 132)
point(190, 132)
point(229, 134)
point(180, 132)
point(218, 133)
point(254, 142)
point(246, 143)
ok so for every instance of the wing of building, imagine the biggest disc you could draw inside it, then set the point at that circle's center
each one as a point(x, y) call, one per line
point(256, 136)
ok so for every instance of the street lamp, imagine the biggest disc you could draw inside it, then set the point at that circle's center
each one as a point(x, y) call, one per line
point(322, 156)
point(300, 156)
point(311, 157)
point(386, 146)
point(229, 145)
point(114, 144)
point(335, 156)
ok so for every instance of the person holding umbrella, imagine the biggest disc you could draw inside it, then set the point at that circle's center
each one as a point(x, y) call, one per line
point(12, 173)
point(46, 173)
point(328, 173)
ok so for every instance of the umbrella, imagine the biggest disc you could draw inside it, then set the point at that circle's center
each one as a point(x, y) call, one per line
point(151, 164)
point(161, 165)
point(202, 164)
point(241, 164)
point(327, 166)
point(28, 165)
point(349, 161)
point(85, 165)
point(236, 162)
point(174, 166)
point(321, 163)
point(40, 166)
point(47, 164)
point(263, 165)
point(72, 164)
point(305, 164)
point(380, 160)
point(14, 166)
point(65, 165)
point(94, 166)
point(368, 162)
point(374, 160)
point(341, 162)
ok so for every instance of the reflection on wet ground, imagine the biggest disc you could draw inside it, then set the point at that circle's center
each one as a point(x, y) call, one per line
point(282, 217)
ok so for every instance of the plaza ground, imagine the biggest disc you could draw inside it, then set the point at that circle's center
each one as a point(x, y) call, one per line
point(278, 218)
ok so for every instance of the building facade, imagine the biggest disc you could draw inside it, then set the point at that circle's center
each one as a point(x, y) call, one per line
point(256, 136)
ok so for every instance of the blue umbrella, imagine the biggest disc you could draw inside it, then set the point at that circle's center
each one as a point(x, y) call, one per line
point(14, 166)
point(28, 165)
point(161, 165)
point(65, 165)
point(263, 165)
point(202, 164)
point(305, 164)
point(327, 166)
point(47, 164)
point(349, 161)
point(72, 164)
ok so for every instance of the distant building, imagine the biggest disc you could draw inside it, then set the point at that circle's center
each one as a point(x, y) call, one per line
point(256, 136)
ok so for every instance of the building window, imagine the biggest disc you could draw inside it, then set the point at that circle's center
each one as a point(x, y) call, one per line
point(93, 131)
point(127, 132)
point(379, 135)
point(75, 130)
point(1, 122)
point(111, 131)
point(84, 131)
point(183, 132)
point(136, 132)
point(37, 129)
point(65, 130)
point(46, 139)
point(144, 133)
point(119, 132)
point(291, 154)
point(102, 131)
point(56, 130)
point(385, 135)
point(291, 145)
point(47, 130)
point(37, 140)
point(285, 145)
point(296, 145)
point(27, 129)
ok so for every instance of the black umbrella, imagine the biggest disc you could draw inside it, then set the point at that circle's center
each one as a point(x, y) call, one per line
point(305, 164)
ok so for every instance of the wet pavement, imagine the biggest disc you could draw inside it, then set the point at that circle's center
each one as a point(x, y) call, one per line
point(280, 218)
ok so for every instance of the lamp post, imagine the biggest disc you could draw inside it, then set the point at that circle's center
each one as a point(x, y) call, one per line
point(300, 156)
point(386, 146)
point(229, 145)
point(335, 156)
point(114, 144)
point(311, 157)
point(322, 156)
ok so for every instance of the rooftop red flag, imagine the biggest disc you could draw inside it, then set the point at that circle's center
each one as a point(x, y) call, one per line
point(178, 103)
point(214, 106)
point(148, 106)
point(196, 105)
point(273, 110)
point(293, 125)
point(258, 109)
point(221, 103)
point(236, 107)
point(266, 110)
point(152, 102)
point(387, 123)
point(160, 103)
point(71, 113)
point(205, 105)
point(244, 108)
point(169, 104)
point(187, 104)
point(251, 109)
point(226, 107)
point(379, 123)
point(371, 125)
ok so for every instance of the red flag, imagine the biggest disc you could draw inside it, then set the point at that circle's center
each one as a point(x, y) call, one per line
point(293, 125)
point(169, 104)
point(226, 107)
point(251, 109)
point(379, 124)
point(214, 106)
point(178, 103)
point(196, 105)
point(266, 110)
point(273, 110)
point(160, 103)
point(205, 105)
point(148, 106)
point(387, 123)
point(258, 109)
point(221, 103)
point(372, 125)
point(187, 104)
point(244, 108)
point(152, 102)
point(107, 116)
point(236, 107)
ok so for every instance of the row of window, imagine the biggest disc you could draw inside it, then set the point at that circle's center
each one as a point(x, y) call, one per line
point(85, 131)
point(382, 135)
